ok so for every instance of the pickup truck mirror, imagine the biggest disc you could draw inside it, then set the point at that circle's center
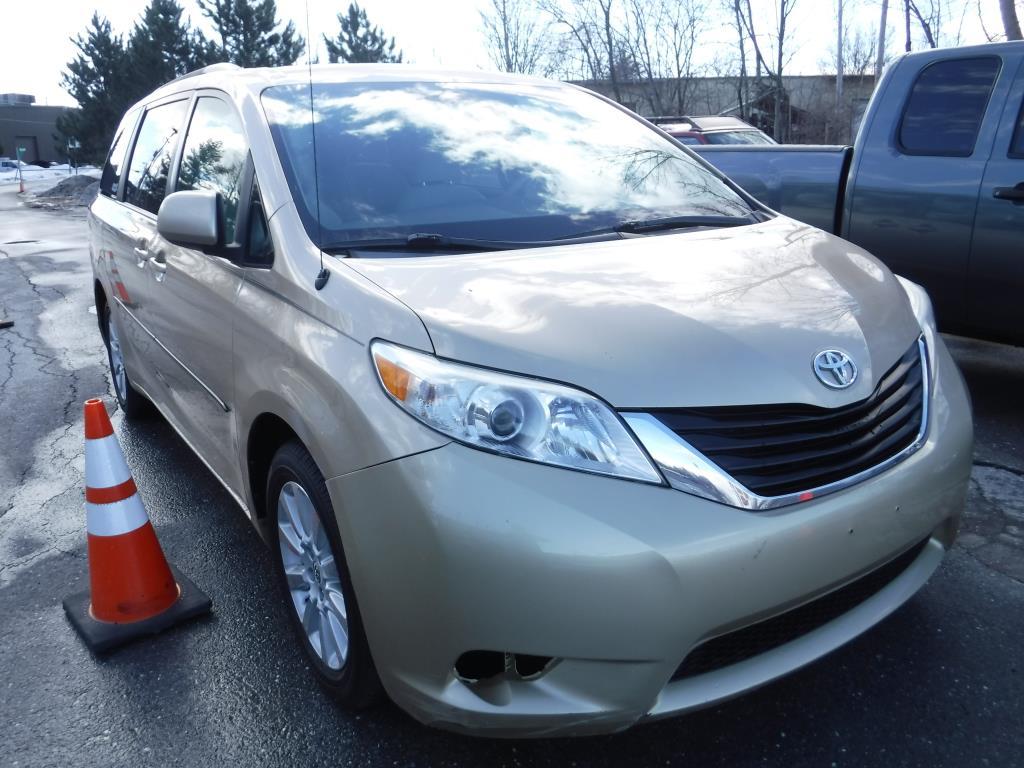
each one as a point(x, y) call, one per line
point(189, 218)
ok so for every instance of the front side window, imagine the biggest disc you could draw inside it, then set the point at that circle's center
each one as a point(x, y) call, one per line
point(153, 154)
point(497, 162)
point(946, 107)
point(113, 167)
point(213, 157)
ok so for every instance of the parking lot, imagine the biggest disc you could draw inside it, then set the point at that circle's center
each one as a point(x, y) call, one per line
point(939, 683)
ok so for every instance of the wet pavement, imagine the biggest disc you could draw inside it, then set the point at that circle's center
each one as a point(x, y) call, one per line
point(939, 683)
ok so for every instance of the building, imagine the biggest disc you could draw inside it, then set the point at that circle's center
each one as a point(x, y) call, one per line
point(809, 109)
point(25, 124)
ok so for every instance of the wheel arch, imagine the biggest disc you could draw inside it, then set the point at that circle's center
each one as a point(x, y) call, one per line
point(268, 430)
point(100, 302)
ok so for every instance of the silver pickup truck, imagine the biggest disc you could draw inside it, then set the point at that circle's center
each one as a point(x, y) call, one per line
point(933, 186)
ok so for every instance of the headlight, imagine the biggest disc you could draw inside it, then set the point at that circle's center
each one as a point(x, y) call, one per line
point(512, 415)
point(921, 305)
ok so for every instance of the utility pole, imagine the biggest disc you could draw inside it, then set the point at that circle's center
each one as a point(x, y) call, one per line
point(880, 61)
point(839, 58)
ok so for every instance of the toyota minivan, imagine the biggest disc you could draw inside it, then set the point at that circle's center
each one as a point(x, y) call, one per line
point(551, 430)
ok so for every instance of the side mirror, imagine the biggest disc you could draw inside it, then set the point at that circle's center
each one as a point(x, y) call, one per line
point(189, 218)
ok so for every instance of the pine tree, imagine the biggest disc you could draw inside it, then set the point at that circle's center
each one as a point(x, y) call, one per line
point(359, 42)
point(96, 79)
point(163, 46)
point(247, 32)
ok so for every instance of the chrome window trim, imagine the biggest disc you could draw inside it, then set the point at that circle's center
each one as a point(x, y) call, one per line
point(688, 470)
point(174, 357)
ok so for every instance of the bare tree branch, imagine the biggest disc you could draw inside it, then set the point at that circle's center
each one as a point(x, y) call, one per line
point(517, 39)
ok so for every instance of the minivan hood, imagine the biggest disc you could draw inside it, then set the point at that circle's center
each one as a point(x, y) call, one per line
point(712, 317)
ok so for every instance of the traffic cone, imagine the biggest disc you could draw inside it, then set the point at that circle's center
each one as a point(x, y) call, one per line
point(133, 590)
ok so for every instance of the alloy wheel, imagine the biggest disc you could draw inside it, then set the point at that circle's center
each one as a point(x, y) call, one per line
point(311, 570)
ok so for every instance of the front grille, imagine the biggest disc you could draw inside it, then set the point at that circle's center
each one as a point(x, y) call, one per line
point(776, 450)
point(734, 647)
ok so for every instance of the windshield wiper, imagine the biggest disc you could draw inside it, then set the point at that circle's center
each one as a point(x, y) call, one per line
point(643, 226)
point(432, 241)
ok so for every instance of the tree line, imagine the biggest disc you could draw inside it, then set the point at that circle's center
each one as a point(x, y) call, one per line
point(658, 47)
point(111, 71)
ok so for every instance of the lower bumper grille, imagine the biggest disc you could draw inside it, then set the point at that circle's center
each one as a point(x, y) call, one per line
point(734, 647)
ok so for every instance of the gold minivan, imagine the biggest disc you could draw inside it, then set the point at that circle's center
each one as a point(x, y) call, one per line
point(551, 427)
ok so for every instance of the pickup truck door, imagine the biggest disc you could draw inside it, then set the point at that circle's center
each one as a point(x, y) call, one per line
point(918, 170)
point(996, 276)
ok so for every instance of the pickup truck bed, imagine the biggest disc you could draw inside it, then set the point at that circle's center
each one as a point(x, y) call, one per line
point(933, 186)
point(805, 182)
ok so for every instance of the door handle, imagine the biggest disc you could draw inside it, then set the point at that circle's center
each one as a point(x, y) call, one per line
point(1014, 194)
point(159, 262)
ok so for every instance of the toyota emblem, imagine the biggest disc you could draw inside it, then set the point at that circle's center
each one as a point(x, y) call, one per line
point(835, 369)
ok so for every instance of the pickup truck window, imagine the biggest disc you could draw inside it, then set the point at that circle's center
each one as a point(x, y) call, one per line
point(946, 106)
point(1017, 145)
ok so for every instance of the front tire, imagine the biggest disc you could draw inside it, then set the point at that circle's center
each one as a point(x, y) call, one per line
point(131, 402)
point(314, 576)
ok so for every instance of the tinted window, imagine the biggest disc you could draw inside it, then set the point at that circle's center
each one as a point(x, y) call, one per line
point(153, 154)
point(509, 161)
point(946, 106)
point(1017, 146)
point(112, 169)
point(213, 157)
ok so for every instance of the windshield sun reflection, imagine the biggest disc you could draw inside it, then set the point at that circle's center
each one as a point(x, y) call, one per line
point(502, 162)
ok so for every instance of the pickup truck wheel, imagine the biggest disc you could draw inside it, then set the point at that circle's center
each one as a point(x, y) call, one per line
point(131, 402)
point(314, 576)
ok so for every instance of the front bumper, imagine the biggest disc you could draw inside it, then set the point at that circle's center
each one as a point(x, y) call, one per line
point(454, 550)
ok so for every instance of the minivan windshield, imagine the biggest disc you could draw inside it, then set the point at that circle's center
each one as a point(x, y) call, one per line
point(513, 162)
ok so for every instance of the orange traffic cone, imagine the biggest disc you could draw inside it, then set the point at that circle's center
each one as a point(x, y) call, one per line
point(133, 590)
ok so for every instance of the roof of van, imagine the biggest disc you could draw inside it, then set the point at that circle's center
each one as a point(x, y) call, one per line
point(261, 77)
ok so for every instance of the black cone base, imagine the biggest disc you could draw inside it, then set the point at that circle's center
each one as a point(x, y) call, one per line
point(103, 636)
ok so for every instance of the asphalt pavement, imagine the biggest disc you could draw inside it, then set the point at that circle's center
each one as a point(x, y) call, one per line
point(937, 684)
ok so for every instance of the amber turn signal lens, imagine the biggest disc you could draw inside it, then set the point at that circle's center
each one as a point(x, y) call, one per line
point(394, 378)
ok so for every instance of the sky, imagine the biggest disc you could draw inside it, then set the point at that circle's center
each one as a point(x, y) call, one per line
point(36, 46)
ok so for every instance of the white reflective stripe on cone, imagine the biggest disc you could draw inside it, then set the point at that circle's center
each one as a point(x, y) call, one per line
point(117, 518)
point(105, 466)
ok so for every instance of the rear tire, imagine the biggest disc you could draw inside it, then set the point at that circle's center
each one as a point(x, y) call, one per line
point(131, 402)
point(314, 577)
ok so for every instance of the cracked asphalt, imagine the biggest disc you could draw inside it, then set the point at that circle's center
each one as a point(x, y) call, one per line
point(937, 684)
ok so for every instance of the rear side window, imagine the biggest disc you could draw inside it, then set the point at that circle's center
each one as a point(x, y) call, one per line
point(154, 152)
point(1017, 145)
point(112, 169)
point(946, 106)
point(213, 157)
